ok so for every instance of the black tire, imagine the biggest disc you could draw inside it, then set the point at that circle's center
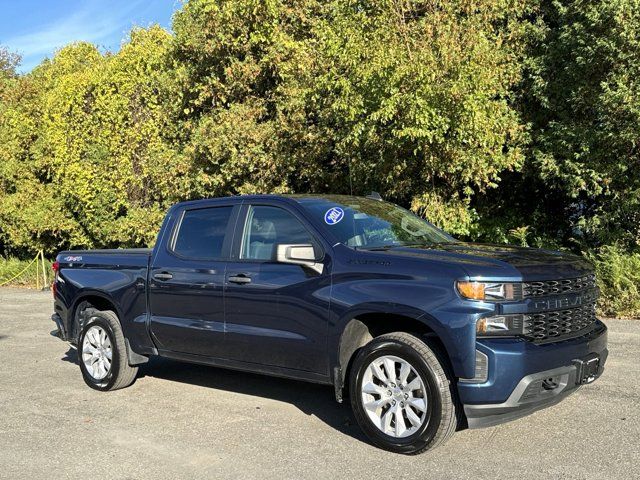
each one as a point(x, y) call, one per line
point(120, 374)
point(440, 422)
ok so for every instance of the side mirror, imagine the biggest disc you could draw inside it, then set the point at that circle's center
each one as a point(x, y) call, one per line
point(299, 254)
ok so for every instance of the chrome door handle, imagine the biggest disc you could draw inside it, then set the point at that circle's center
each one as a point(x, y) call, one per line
point(163, 276)
point(240, 279)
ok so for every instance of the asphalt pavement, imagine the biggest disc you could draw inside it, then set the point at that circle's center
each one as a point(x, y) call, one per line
point(180, 421)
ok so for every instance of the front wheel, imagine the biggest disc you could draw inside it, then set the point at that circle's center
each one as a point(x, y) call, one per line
point(102, 352)
point(401, 395)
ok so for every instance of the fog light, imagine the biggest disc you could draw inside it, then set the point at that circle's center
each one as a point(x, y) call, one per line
point(482, 369)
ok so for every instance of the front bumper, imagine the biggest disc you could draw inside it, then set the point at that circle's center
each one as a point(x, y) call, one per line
point(518, 386)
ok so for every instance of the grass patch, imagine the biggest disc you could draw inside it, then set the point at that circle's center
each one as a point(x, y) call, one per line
point(23, 273)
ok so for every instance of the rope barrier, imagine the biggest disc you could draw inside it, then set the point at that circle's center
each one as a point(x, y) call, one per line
point(39, 256)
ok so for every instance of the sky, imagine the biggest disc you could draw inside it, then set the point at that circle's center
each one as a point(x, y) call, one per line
point(35, 29)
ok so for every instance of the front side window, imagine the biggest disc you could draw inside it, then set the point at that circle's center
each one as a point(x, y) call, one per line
point(201, 233)
point(267, 227)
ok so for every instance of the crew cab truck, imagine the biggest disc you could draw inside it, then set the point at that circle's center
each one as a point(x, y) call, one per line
point(424, 334)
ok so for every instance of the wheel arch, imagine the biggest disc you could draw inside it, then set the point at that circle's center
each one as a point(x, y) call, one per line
point(364, 326)
point(101, 301)
point(90, 298)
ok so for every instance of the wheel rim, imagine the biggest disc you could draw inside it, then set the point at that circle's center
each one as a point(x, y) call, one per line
point(97, 353)
point(393, 395)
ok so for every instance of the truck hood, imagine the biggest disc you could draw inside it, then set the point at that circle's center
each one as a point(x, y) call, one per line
point(485, 260)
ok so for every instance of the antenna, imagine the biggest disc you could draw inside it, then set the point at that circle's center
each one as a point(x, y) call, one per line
point(350, 180)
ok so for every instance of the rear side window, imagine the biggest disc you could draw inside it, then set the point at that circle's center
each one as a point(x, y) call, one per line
point(201, 233)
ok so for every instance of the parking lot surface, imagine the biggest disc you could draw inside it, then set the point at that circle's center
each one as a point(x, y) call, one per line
point(180, 421)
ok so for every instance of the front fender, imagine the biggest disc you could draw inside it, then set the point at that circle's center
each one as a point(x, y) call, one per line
point(436, 306)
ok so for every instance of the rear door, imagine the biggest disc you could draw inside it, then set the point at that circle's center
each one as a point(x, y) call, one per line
point(186, 280)
point(276, 313)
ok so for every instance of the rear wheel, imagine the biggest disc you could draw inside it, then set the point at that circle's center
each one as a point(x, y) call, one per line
point(102, 352)
point(401, 395)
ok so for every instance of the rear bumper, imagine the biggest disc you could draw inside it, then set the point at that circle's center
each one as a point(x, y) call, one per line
point(518, 386)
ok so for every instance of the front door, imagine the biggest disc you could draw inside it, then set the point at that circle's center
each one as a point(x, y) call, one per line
point(276, 313)
point(186, 282)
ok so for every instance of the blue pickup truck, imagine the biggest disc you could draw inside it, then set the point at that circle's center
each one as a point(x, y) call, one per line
point(423, 333)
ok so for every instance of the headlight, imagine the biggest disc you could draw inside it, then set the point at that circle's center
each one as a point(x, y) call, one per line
point(501, 326)
point(490, 291)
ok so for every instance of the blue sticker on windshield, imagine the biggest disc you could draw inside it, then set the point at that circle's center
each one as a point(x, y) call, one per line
point(333, 215)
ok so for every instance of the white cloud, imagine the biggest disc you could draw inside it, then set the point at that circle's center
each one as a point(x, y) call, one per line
point(94, 23)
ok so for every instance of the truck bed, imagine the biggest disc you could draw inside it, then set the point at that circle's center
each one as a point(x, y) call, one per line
point(119, 274)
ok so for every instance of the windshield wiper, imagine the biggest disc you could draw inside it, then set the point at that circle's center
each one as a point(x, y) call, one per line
point(391, 245)
point(379, 247)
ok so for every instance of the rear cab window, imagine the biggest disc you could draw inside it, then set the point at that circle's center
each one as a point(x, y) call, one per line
point(201, 233)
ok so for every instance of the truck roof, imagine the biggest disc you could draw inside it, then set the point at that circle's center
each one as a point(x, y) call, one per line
point(294, 197)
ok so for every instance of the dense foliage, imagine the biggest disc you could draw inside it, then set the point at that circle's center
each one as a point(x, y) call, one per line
point(501, 120)
point(618, 274)
point(580, 97)
point(409, 98)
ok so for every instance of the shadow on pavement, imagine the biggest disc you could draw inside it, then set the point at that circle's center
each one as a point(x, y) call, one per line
point(71, 356)
point(312, 399)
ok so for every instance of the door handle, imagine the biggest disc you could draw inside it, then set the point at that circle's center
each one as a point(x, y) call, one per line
point(240, 279)
point(163, 276)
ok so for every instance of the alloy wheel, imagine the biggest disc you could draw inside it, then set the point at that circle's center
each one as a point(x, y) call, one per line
point(97, 353)
point(393, 395)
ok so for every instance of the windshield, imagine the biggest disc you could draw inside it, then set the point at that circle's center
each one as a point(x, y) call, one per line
point(365, 223)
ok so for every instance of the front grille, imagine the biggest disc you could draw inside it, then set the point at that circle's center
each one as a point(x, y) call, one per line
point(560, 324)
point(552, 287)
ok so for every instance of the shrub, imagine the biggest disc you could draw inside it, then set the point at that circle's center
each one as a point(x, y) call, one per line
point(618, 275)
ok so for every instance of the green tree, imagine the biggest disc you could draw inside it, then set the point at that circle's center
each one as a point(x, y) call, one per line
point(232, 57)
point(88, 157)
point(417, 95)
point(580, 185)
point(411, 98)
point(9, 61)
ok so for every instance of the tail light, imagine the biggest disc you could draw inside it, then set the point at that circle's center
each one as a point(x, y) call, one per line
point(55, 266)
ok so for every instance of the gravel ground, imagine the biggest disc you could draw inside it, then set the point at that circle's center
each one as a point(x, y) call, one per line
point(186, 421)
